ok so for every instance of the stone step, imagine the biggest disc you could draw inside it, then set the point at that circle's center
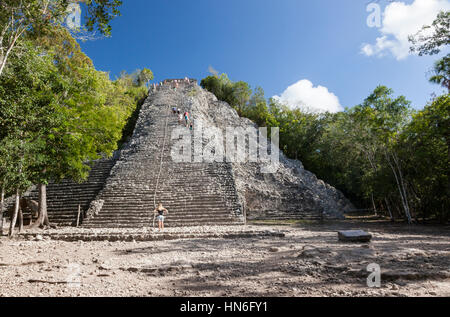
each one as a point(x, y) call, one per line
point(129, 210)
point(171, 190)
point(75, 199)
point(166, 224)
point(149, 199)
point(146, 211)
point(149, 162)
point(148, 202)
point(64, 198)
point(199, 205)
point(228, 218)
point(150, 218)
point(148, 221)
point(169, 181)
point(138, 189)
point(171, 217)
point(302, 216)
point(176, 192)
point(164, 195)
point(75, 186)
point(143, 213)
point(141, 190)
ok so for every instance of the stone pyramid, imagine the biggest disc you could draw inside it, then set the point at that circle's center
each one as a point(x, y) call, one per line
point(189, 171)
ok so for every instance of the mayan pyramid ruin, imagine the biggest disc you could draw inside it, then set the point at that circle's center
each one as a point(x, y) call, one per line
point(121, 192)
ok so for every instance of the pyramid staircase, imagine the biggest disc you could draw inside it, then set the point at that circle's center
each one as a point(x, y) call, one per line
point(64, 199)
point(145, 175)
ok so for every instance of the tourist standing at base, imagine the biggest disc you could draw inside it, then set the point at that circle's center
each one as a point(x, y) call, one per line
point(161, 212)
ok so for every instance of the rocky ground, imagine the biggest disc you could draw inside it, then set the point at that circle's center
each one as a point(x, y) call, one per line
point(307, 261)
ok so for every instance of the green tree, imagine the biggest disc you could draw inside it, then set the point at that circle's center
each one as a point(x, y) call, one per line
point(23, 91)
point(425, 147)
point(143, 77)
point(223, 88)
point(379, 121)
point(257, 109)
point(442, 72)
point(36, 17)
point(91, 115)
point(213, 85)
point(242, 94)
point(431, 43)
point(130, 94)
point(64, 113)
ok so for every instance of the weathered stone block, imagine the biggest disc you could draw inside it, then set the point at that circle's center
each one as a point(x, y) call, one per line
point(354, 236)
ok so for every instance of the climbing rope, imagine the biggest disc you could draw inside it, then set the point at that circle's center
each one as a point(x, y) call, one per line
point(161, 162)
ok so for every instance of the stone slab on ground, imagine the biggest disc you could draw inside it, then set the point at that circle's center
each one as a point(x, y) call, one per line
point(354, 236)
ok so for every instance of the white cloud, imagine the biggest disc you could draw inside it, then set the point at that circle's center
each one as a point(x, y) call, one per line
point(303, 95)
point(401, 20)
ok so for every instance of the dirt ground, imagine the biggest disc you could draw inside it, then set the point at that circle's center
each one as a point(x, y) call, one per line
point(308, 261)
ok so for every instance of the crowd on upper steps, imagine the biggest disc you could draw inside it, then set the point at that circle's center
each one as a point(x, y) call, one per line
point(172, 84)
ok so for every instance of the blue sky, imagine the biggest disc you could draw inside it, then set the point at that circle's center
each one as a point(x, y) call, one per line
point(270, 43)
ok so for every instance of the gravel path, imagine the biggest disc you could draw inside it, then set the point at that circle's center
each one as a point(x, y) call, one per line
point(308, 261)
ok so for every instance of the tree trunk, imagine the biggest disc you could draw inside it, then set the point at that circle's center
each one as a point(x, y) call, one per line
point(20, 215)
point(14, 37)
point(374, 206)
point(4, 59)
point(397, 208)
point(389, 209)
point(403, 187)
point(14, 216)
point(42, 220)
point(2, 203)
point(403, 199)
point(396, 170)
